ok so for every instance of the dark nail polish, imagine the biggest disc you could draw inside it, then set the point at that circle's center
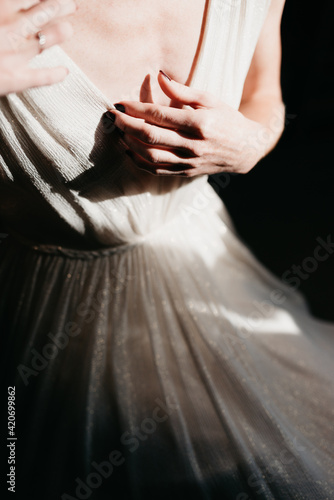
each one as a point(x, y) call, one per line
point(165, 75)
point(120, 107)
point(110, 116)
point(129, 153)
point(120, 132)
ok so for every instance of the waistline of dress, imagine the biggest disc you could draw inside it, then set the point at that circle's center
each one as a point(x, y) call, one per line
point(72, 253)
point(107, 251)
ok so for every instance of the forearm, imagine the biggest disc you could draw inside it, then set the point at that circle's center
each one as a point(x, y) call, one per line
point(268, 111)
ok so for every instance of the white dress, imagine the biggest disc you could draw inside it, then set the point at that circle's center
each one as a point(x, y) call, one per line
point(153, 356)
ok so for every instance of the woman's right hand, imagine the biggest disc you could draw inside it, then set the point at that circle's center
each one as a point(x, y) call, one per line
point(20, 22)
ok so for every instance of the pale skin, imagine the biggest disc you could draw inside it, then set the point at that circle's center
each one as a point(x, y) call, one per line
point(162, 136)
point(20, 21)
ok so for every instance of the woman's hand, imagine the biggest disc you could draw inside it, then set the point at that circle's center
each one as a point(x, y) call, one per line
point(210, 138)
point(20, 22)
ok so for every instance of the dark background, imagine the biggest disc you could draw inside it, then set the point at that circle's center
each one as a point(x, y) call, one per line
point(286, 202)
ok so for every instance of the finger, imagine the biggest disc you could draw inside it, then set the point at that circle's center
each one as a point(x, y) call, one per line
point(10, 7)
point(185, 95)
point(149, 134)
point(54, 35)
point(163, 116)
point(161, 169)
point(25, 4)
point(40, 15)
point(158, 155)
point(39, 78)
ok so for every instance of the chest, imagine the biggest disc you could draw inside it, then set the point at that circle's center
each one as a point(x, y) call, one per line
point(122, 45)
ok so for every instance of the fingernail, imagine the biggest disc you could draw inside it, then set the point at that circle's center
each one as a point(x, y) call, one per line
point(165, 75)
point(120, 132)
point(110, 116)
point(129, 153)
point(120, 107)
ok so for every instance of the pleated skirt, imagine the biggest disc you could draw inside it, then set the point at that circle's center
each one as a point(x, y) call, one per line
point(175, 368)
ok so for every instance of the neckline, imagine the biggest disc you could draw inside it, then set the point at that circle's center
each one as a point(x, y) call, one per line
point(194, 69)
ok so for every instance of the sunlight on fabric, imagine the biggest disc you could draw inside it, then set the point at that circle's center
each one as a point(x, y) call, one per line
point(257, 321)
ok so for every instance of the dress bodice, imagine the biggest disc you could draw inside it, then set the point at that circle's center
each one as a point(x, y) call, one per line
point(60, 162)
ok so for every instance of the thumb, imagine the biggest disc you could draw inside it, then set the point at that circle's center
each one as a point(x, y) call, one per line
point(185, 95)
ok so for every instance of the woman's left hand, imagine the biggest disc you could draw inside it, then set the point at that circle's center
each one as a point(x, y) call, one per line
point(208, 138)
